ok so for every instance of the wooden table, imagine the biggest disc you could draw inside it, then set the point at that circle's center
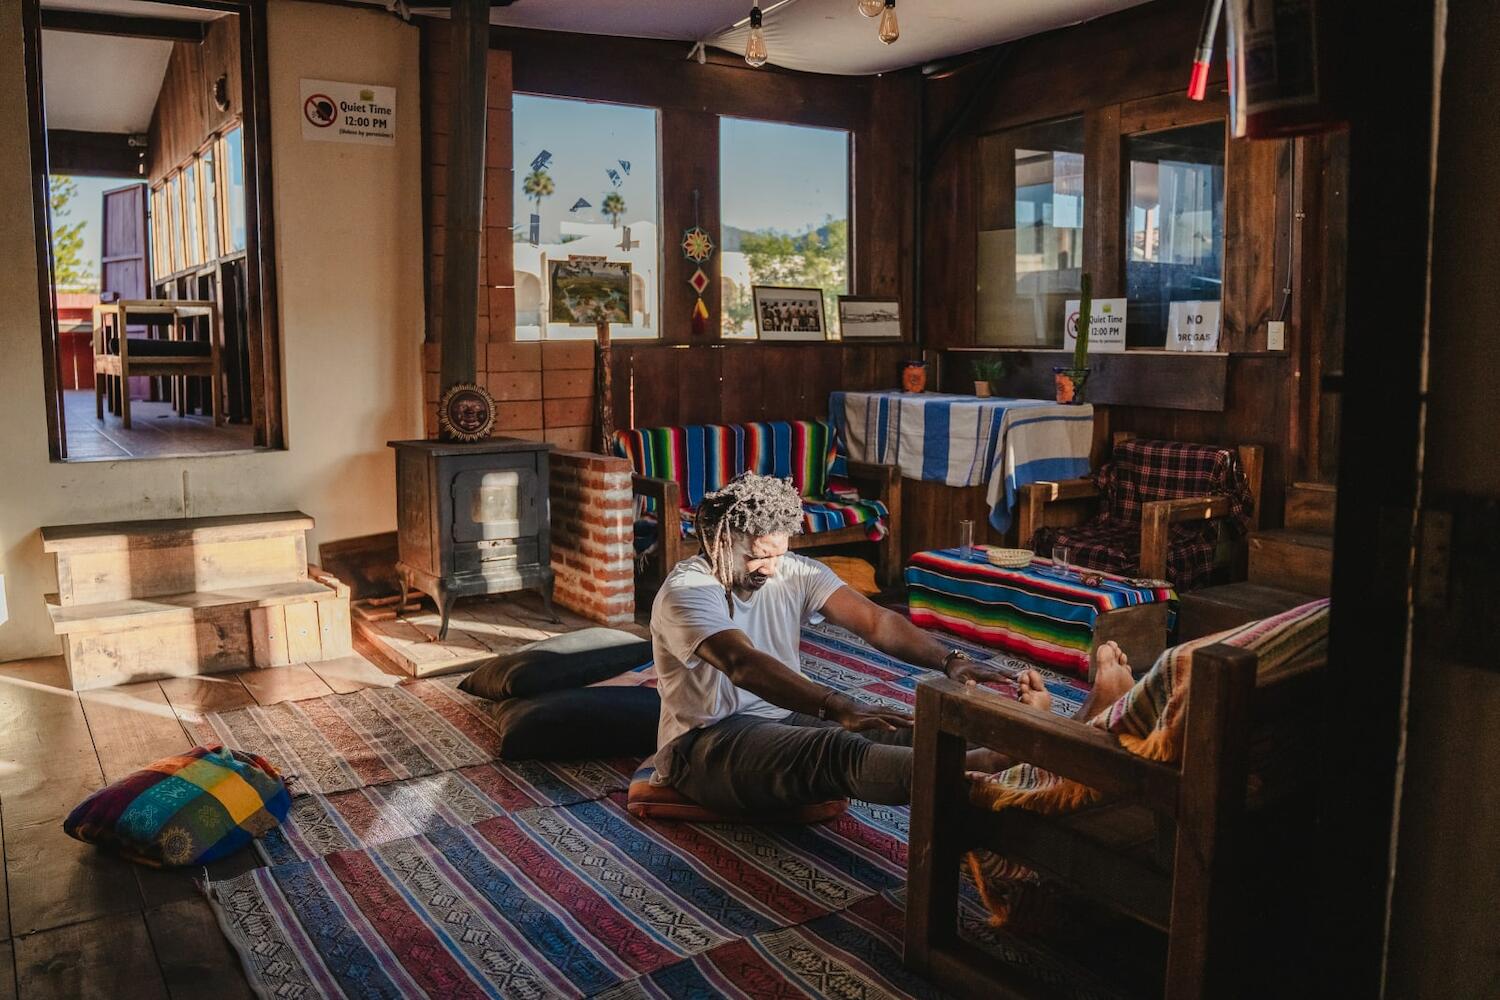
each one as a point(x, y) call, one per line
point(1037, 614)
point(119, 363)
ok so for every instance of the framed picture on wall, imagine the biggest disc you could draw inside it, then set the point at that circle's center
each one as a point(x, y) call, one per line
point(789, 313)
point(863, 317)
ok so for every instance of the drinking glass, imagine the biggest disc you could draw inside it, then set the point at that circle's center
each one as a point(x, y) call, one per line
point(1061, 557)
point(966, 539)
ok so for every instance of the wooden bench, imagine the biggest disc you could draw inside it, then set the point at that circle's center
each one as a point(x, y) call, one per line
point(139, 600)
point(1170, 844)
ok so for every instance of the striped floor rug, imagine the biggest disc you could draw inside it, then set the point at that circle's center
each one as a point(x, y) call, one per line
point(414, 864)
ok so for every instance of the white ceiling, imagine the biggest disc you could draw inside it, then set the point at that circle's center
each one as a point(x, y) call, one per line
point(820, 36)
point(101, 83)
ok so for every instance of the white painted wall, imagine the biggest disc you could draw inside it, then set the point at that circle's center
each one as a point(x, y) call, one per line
point(349, 258)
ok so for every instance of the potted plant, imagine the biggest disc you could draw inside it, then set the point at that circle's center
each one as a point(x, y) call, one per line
point(1069, 381)
point(986, 375)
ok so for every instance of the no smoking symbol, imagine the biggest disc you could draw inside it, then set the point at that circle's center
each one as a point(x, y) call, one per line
point(320, 110)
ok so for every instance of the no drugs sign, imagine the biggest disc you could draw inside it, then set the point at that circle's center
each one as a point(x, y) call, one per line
point(348, 112)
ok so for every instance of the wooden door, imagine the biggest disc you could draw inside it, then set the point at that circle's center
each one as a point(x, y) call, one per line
point(124, 266)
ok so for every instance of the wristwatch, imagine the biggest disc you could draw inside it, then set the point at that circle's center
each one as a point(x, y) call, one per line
point(954, 654)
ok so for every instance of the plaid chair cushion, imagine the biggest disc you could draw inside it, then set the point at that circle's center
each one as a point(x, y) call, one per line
point(188, 809)
point(1142, 471)
point(1115, 547)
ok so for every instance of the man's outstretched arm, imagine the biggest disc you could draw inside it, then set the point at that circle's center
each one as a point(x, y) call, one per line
point(761, 674)
point(894, 634)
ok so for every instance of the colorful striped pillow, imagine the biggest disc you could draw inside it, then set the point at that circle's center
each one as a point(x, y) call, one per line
point(188, 809)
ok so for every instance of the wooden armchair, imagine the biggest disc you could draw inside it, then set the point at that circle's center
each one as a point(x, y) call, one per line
point(1077, 503)
point(1169, 846)
point(875, 482)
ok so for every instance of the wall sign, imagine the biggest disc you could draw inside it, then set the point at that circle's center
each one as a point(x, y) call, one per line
point(1193, 326)
point(348, 112)
point(1106, 326)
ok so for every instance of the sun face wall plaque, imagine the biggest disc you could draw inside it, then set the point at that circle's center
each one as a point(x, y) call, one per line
point(466, 413)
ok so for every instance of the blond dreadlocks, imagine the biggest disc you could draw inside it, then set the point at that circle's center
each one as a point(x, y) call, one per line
point(748, 506)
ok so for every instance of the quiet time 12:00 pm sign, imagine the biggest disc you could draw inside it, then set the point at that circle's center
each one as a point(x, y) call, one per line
point(348, 112)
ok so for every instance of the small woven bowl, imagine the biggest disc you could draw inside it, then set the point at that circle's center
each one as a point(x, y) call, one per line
point(1010, 558)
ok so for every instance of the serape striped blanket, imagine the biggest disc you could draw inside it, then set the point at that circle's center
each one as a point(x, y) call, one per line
point(1030, 612)
point(1148, 721)
point(966, 441)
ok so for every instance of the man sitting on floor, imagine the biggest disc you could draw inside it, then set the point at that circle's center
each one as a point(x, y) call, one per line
point(742, 730)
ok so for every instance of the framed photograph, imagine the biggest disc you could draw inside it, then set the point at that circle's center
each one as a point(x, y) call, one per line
point(789, 313)
point(866, 318)
point(584, 290)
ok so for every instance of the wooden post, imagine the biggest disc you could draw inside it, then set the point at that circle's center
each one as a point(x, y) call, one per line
point(468, 56)
point(604, 403)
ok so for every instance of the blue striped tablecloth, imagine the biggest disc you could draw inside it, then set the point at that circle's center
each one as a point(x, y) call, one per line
point(1003, 444)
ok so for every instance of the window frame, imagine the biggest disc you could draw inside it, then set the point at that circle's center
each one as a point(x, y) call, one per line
point(830, 308)
point(261, 312)
point(659, 304)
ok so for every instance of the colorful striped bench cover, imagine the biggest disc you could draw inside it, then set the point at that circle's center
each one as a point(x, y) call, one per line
point(1028, 613)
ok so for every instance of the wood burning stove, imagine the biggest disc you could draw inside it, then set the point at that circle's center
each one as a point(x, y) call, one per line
point(472, 519)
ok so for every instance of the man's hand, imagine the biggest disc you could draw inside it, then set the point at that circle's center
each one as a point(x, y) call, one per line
point(974, 672)
point(857, 717)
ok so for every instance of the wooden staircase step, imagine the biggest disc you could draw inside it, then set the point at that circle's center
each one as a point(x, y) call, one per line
point(147, 612)
point(1310, 507)
point(1300, 561)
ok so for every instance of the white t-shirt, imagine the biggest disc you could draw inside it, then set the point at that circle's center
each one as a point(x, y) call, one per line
point(691, 607)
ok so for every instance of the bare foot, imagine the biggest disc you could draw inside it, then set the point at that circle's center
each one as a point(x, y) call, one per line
point(1112, 678)
point(1032, 691)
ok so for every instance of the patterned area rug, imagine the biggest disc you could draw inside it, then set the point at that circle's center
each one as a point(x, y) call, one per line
point(416, 865)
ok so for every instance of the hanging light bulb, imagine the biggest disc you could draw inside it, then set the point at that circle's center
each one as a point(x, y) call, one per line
point(871, 8)
point(889, 29)
point(755, 47)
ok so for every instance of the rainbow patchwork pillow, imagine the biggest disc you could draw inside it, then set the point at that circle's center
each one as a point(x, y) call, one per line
point(188, 809)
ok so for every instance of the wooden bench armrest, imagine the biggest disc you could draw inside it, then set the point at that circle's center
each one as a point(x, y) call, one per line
point(1053, 503)
point(1157, 517)
point(668, 496)
point(1049, 491)
point(666, 492)
point(878, 475)
point(1063, 746)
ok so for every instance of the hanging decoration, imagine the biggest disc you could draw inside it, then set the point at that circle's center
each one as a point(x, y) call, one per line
point(755, 45)
point(871, 8)
point(698, 247)
point(889, 29)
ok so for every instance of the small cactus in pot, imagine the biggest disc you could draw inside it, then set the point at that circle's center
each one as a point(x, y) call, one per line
point(1069, 381)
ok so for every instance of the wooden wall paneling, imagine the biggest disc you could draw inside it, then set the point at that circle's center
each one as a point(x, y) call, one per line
point(1167, 381)
point(884, 193)
point(745, 381)
point(655, 385)
point(1120, 64)
point(185, 114)
point(1254, 218)
point(689, 162)
point(1103, 204)
point(260, 242)
point(950, 249)
point(700, 386)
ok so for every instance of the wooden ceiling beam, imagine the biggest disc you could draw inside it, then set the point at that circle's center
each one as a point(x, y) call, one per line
point(88, 23)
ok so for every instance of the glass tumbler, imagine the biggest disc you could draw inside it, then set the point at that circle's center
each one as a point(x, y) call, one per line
point(966, 539)
point(1061, 557)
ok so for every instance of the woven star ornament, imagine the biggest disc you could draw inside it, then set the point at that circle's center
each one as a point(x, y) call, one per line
point(696, 245)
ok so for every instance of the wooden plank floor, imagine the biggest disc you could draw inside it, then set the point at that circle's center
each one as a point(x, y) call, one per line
point(75, 922)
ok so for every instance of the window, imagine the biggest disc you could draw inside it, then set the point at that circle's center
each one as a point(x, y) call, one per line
point(585, 186)
point(166, 219)
point(1030, 232)
point(1174, 225)
point(232, 163)
point(784, 215)
point(209, 199)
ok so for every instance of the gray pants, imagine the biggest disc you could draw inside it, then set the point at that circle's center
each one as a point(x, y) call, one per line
point(745, 764)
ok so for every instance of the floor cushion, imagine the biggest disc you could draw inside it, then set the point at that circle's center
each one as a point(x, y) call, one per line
point(650, 801)
point(572, 660)
point(578, 724)
point(188, 809)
